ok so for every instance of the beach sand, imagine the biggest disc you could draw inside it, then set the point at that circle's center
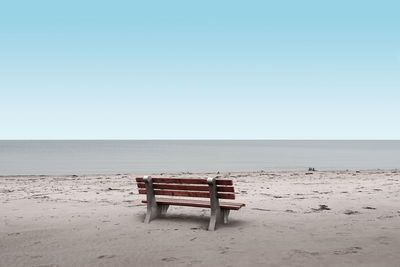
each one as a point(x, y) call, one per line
point(330, 218)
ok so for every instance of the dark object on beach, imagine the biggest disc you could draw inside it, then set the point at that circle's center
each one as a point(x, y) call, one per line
point(113, 189)
point(211, 188)
point(321, 208)
point(311, 169)
point(350, 250)
point(369, 208)
point(7, 191)
point(261, 209)
point(351, 212)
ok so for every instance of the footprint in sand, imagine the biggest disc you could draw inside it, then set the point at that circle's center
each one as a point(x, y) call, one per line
point(36, 256)
point(14, 234)
point(305, 253)
point(169, 259)
point(224, 250)
point(351, 212)
point(350, 250)
point(261, 209)
point(106, 256)
point(321, 208)
point(386, 217)
point(196, 262)
point(383, 240)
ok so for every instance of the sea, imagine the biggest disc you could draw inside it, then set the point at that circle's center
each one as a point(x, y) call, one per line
point(68, 157)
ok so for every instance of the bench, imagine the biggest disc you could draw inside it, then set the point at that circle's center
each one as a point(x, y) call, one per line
point(211, 188)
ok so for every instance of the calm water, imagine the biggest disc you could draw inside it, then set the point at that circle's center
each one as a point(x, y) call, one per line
point(141, 157)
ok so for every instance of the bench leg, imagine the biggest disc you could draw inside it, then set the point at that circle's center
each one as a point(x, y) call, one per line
point(225, 215)
point(215, 217)
point(214, 204)
point(164, 209)
point(153, 211)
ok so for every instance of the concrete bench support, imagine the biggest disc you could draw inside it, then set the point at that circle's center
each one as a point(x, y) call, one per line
point(216, 213)
point(153, 209)
point(164, 209)
point(225, 215)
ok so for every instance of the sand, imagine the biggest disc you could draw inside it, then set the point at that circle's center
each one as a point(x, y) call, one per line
point(334, 218)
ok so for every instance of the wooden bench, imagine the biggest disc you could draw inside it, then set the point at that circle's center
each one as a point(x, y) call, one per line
point(211, 188)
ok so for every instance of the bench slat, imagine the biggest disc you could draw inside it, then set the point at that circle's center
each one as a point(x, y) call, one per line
point(187, 193)
point(197, 203)
point(185, 181)
point(188, 187)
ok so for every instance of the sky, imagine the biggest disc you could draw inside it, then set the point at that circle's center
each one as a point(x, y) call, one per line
point(199, 69)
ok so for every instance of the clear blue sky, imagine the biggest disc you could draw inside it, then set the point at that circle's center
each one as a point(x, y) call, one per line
point(200, 69)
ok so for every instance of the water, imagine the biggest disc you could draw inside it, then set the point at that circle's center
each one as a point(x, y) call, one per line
point(146, 157)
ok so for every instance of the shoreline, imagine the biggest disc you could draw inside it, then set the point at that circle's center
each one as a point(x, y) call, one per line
point(180, 173)
point(332, 218)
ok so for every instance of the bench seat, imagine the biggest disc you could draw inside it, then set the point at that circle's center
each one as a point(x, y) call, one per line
point(197, 203)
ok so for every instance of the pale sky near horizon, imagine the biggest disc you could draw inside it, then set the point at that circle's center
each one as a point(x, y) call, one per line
point(200, 70)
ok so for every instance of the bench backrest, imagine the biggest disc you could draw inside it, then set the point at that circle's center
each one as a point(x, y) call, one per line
point(187, 187)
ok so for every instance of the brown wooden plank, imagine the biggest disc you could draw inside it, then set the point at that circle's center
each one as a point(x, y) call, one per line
point(188, 187)
point(185, 180)
point(197, 203)
point(178, 193)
